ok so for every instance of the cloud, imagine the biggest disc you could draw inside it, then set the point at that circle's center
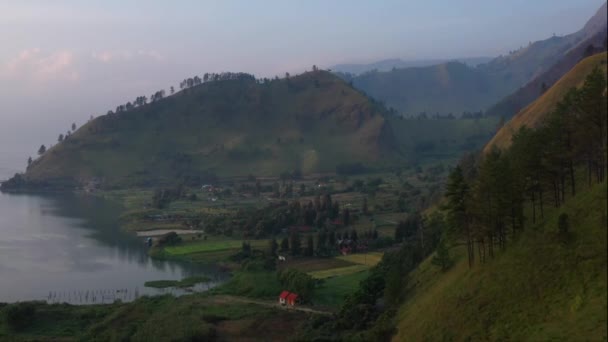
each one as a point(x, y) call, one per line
point(37, 65)
point(110, 56)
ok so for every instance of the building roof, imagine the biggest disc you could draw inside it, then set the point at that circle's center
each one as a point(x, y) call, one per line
point(284, 294)
point(292, 297)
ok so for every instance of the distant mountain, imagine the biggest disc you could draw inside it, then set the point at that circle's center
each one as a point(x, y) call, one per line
point(395, 63)
point(446, 88)
point(451, 87)
point(532, 116)
point(593, 37)
point(310, 123)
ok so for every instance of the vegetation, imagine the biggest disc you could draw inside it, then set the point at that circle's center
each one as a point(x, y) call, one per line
point(537, 289)
point(535, 114)
point(162, 318)
point(226, 127)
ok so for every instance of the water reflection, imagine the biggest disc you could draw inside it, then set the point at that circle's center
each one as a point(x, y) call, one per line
point(71, 245)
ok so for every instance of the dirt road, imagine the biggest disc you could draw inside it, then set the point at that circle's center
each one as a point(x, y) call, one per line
point(267, 303)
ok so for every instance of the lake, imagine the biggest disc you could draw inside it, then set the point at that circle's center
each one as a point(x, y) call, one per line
point(69, 248)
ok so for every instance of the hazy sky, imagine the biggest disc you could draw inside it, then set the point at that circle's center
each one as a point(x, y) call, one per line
point(61, 61)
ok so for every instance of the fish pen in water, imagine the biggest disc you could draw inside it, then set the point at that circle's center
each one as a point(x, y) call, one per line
point(95, 296)
point(124, 295)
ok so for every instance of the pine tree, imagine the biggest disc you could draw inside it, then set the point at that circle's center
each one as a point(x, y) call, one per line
point(295, 244)
point(309, 251)
point(284, 245)
point(274, 246)
point(442, 256)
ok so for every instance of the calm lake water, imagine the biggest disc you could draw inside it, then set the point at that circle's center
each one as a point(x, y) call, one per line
point(70, 248)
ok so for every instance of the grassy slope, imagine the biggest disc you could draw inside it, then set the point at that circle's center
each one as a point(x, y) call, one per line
point(534, 113)
point(310, 122)
point(538, 289)
point(525, 95)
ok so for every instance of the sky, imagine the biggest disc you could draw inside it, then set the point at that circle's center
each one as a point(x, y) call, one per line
point(62, 61)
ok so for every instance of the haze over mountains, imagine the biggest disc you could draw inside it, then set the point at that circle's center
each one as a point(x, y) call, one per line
point(454, 87)
point(397, 63)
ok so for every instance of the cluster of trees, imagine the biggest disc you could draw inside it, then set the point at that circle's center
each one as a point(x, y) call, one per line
point(162, 197)
point(485, 202)
point(42, 149)
point(360, 317)
point(298, 282)
point(322, 212)
point(328, 241)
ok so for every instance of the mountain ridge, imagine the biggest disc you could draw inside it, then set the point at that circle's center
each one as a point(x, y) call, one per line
point(307, 123)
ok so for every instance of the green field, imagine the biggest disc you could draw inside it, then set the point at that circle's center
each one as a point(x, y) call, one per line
point(369, 259)
point(333, 291)
point(338, 272)
point(212, 246)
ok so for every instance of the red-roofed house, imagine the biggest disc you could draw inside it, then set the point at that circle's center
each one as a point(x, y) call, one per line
point(292, 299)
point(283, 297)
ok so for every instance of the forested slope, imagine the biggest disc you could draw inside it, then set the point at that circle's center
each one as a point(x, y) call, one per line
point(526, 230)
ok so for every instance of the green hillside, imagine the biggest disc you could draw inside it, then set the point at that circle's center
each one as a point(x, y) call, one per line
point(533, 217)
point(534, 114)
point(310, 123)
point(537, 290)
point(525, 95)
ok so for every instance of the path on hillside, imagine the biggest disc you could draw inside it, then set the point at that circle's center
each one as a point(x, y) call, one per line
point(267, 303)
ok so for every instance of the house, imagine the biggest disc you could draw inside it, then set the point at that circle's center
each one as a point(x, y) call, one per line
point(283, 297)
point(292, 299)
point(288, 298)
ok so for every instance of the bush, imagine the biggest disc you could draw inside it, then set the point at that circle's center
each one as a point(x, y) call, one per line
point(19, 315)
point(170, 238)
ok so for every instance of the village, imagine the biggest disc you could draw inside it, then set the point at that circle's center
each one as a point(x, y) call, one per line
point(331, 229)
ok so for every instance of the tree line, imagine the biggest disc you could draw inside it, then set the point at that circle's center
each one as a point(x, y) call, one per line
point(486, 198)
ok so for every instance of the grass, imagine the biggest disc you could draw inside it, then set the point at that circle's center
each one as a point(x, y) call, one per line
point(338, 272)
point(333, 291)
point(211, 246)
point(538, 289)
point(369, 259)
point(254, 284)
point(315, 264)
point(533, 114)
point(186, 282)
point(193, 317)
point(204, 251)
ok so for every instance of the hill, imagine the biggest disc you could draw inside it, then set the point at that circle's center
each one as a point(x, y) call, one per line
point(537, 290)
point(451, 87)
point(594, 34)
point(533, 114)
point(309, 123)
point(455, 88)
point(535, 230)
